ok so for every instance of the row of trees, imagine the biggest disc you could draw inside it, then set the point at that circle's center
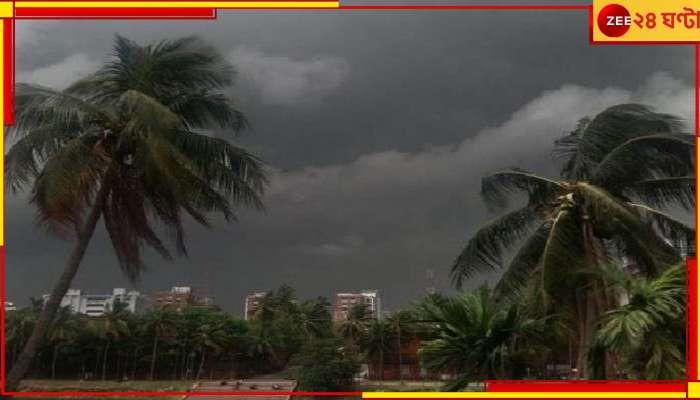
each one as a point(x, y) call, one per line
point(471, 336)
point(163, 343)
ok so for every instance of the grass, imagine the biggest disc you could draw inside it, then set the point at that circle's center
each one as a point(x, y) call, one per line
point(412, 386)
point(58, 385)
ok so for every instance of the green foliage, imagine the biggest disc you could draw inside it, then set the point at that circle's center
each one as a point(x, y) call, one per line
point(326, 366)
point(172, 343)
point(647, 333)
point(477, 338)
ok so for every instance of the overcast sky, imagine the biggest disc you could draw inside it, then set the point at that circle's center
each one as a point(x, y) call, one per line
point(378, 126)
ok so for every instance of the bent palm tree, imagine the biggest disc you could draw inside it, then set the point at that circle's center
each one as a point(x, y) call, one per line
point(126, 145)
point(621, 169)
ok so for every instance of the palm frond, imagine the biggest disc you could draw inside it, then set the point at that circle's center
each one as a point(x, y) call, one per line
point(662, 192)
point(485, 250)
point(497, 187)
point(523, 263)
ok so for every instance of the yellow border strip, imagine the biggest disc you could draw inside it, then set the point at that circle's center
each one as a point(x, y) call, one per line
point(177, 4)
point(523, 395)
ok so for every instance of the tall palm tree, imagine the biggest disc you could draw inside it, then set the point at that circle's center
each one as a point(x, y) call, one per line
point(63, 331)
point(477, 337)
point(621, 170)
point(109, 328)
point(127, 145)
point(377, 341)
point(209, 337)
point(402, 324)
point(159, 323)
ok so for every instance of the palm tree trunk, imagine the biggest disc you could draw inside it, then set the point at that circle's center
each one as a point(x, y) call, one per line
point(153, 356)
point(398, 338)
point(84, 234)
point(201, 363)
point(53, 362)
point(104, 362)
point(381, 364)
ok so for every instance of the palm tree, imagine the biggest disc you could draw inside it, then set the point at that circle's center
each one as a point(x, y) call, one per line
point(19, 326)
point(159, 323)
point(109, 328)
point(208, 337)
point(354, 326)
point(647, 333)
point(403, 326)
point(315, 318)
point(477, 337)
point(63, 331)
point(621, 169)
point(126, 145)
point(376, 342)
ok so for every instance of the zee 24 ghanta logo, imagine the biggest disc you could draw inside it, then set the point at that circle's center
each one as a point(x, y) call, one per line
point(615, 20)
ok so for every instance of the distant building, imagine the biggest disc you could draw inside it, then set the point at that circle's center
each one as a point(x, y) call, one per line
point(180, 297)
point(96, 305)
point(344, 302)
point(252, 304)
point(10, 306)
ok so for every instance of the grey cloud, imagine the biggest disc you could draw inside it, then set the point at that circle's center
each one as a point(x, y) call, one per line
point(286, 81)
point(62, 73)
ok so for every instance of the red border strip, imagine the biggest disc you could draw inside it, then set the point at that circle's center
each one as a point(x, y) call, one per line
point(120, 13)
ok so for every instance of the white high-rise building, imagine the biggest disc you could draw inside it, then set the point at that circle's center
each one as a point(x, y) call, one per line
point(96, 305)
point(10, 306)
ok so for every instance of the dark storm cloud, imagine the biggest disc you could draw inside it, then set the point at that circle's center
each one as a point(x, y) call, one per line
point(377, 125)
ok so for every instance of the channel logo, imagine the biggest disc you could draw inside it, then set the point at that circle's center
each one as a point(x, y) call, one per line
point(614, 20)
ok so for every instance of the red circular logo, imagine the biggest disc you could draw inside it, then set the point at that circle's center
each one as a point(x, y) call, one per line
point(614, 20)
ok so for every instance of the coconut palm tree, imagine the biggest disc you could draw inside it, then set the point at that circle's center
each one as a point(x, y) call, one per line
point(621, 170)
point(209, 338)
point(647, 332)
point(63, 331)
point(478, 337)
point(109, 328)
point(378, 341)
point(354, 326)
point(127, 145)
point(159, 323)
point(315, 318)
